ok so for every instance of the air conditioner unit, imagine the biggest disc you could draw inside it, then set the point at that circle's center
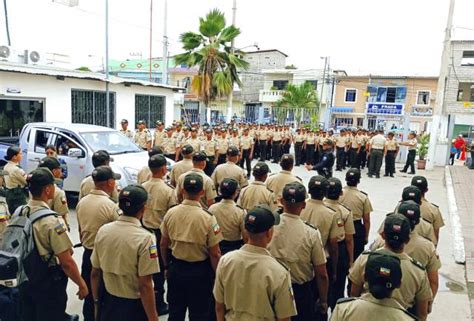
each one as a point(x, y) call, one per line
point(34, 57)
point(7, 53)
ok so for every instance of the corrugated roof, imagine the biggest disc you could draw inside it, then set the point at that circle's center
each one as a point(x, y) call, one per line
point(386, 77)
point(54, 72)
point(267, 50)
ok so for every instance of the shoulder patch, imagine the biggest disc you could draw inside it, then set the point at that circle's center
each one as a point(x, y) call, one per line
point(311, 225)
point(345, 300)
point(270, 190)
point(240, 207)
point(417, 264)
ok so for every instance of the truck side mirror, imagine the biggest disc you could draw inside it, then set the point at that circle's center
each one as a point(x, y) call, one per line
point(76, 152)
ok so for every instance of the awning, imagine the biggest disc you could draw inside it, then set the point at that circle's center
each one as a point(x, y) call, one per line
point(341, 110)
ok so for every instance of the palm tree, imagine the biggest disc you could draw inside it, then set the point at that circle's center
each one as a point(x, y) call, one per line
point(301, 98)
point(211, 51)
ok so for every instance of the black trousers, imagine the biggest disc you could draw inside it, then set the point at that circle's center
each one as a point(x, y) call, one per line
point(359, 238)
point(269, 150)
point(362, 157)
point(354, 157)
point(263, 149)
point(340, 158)
point(305, 301)
point(286, 148)
point(347, 162)
point(45, 301)
point(410, 161)
point(229, 246)
point(121, 309)
point(159, 278)
point(245, 159)
point(336, 289)
point(221, 159)
point(190, 288)
point(256, 149)
point(390, 162)
point(298, 147)
point(276, 151)
point(86, 268)
point(209, 169)
point(310, 154)
point(376, 159)
point(15, 198)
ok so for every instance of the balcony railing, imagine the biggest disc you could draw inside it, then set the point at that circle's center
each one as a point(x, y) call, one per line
point(270, 96)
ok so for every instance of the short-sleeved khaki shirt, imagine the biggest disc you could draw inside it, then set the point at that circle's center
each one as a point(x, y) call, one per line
point(256, 193)
point(263, 134)
point(392, 144)
point(125, 251)
point(246, 142)
point(142, 138)
point(229, 170)
point(16, 176)
point(127, 133)
point(161, 197)
point(254, 268)
point(209, 187)
point(344, 219)
point(93, 211)
point(87, 185)
point(191, 241)
point(378, 142)
point(180, 168)
point(144, 175)
point(195, 143)
point(299, 246)
point(159, 138)
point(234, 141)
point(341, 141)
point(431, 213)
point(230, 218)
point(324, 218)
point(59, 203)
point(210, 147)
point(357, 201)
point(169, 145)
point(276, 182)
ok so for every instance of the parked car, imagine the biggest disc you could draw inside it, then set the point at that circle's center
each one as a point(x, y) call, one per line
point(75, 144)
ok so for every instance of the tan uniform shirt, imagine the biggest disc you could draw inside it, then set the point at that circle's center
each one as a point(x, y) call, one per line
point(299, 138)
point(59, 202)
point(180, 168)
point(195, 143)
point(413, 141)
point(210, 147)
point(229, 170)
point(87, 185)
point(170, 144)
point(223, 145)
point(341, 141)
point(93, 211)
point(234, 141)
point(378, 142)
point(256, 193)
point(159, 138)
point(191, 241)
point(263, 134)
point(277, 181)
point(142, 138)
point(246, 142)
point(277, 136)
point(392, 144)
point(271, 296)
point(127, 133)
point(161, 197)
point(311, 139)
point(50, 234)
point(144, 175)
point(431, 213)
point(209, 187)
point(357, 201)
point(324, 218)
point(299, 246)
point(354, 141)
point(4, 217)
point(366, 307)
point(179, 136)
point(230, 218)
point(344, 219)
point(125, 251)
point(16, 176)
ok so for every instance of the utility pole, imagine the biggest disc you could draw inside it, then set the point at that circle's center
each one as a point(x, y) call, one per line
point(437, 134)
point(151, 41)
point(165, 46)
point(107, 98)
point(322, 85)
point(230, 97)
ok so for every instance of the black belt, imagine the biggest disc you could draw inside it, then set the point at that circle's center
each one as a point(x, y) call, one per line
point(377, 149)
point(391, 151)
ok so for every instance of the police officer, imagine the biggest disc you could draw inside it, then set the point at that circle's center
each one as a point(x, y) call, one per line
point(412, 143)
point(277, 181)
point(124, 129)
point(229, 216)
point(144, 174)
point(93, 211)
point(15, 181)
point(376, 151)
point(159, 135)
point(391, 152)
point(355, 146)
point(263, 135)
point(184, 165)
point(171, 145)
point(99, 158)
point(142, 136)
point(361, 207)
point(211, 149)
point(299, 246)
point(124, 260)
point(190, 253)
point(45, 299)
point(276, 144)
point(230, 169)
point(383, 273)
point(256, 192)
point(299, 139)
point(246, 150)
point(345, 223)
point(161, 197)
point(414, 290)
point(310, 148)
point(253, 267)
point(194, 140)
point(340, 150)
point(325, 165)
point(223, 144)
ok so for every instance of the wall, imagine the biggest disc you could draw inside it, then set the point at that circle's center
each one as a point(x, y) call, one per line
point(57, 95)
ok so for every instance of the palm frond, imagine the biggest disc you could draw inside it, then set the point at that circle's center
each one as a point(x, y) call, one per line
point(228, 34)
point(213, 24)
point(191, 40)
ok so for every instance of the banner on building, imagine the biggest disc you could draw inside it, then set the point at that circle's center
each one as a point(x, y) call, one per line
point(385, 109)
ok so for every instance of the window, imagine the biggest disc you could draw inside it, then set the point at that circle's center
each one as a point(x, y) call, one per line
point(467, 58)
point(343, 122)
point(89, 107)
point(460, 95)
point(466, 91)
point(423, 98)
point(387, 94)
point(360, 122)
point(149, 108)
point(41, 141)
point(280, 84)
point(314, 83)
point(350, 96)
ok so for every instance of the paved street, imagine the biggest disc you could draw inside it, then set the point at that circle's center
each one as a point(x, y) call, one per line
point(452, 302)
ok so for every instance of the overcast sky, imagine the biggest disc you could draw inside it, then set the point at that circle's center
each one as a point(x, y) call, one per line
point(361, 36)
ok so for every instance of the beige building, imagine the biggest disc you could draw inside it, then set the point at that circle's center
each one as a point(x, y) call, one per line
point(384, 102)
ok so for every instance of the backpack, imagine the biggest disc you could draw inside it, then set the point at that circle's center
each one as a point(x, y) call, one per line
point(19, 258)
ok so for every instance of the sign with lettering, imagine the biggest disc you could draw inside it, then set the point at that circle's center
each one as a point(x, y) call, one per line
point(385, 109)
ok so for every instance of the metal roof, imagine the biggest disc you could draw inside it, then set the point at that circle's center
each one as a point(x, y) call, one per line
point(267, 50)
point(59, 72)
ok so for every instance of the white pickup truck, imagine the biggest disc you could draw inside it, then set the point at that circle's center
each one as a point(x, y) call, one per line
point(75, 144)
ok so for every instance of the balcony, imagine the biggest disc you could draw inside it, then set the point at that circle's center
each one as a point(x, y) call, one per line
point(270, 96)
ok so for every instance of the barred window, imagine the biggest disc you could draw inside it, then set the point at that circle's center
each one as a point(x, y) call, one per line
point(150, 109)
point(89, 107)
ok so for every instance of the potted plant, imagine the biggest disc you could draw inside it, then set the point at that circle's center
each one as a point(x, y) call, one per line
point(422, 150)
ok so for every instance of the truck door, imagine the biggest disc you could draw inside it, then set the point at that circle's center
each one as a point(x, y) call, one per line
point(36, 145)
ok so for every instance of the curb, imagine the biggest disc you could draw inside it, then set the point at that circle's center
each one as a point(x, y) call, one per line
point(459, 251)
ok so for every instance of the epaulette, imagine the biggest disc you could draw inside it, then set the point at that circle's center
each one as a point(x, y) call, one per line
point(272, 174)
point(364, 193)
point(311, 225)
point(299, 178)
point(347, 208)
point(417, 264)
point(173, 205)
point(283, 264)
point(330, 208)
point(434, 204)
point(170, 185)
point(207, 211)
point(240, 207)
point(426, 220)
point(270, 190)
point(366, 252)
point(148, 229)
point(414, 317)
point(345, 300)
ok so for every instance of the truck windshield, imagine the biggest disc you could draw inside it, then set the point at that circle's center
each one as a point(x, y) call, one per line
point(113, 142)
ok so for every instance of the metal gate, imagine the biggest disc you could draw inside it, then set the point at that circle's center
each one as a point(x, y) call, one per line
point(89, 107)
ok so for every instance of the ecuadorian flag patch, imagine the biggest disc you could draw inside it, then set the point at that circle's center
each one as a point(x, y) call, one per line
point(153, 252)
point(216, 229)
point(60, 228)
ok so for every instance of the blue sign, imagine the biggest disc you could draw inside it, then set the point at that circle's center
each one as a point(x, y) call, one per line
point(384, 109)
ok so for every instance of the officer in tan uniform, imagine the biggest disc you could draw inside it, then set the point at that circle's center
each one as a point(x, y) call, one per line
point(15, 181)
point(159, 135)
point(246, 150)
point(345, 223)
point(414, 292)
point(223, 145)
point(94, 211)
point(383, 273)
point(199, 163)
point(253, 267)
point(46, 298)
point(262, 135)
point(161, 197)
point(125, 131)
point(142, 136)
point(377, 145)
point(171, 145)
point(124, 260)
point(229, 216)
point(194, 140)
point(310, 148)
point(256, 192)
point(190, 253)
point(230, 169)
point(99, 158)
point(211, 149)
point(355, 146)
point(391, 152)
point(299, 139)
point(184, 165)
point(277, 137)
point(234, 140)
point(144, 174)
point(298, 245)
point(340, 143)
point(277, 181)
point(361, 207)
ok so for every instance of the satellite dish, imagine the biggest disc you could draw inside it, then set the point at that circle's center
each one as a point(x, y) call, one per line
point(4, 52)
point(35, 56)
